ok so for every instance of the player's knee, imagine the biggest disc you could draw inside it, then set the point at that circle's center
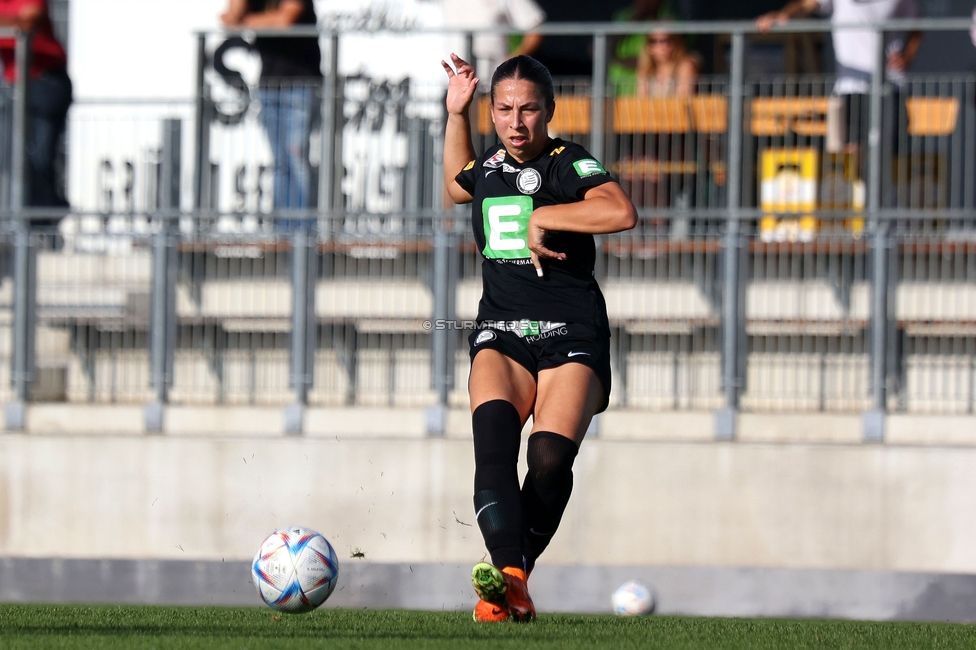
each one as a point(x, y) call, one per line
point(550, 457)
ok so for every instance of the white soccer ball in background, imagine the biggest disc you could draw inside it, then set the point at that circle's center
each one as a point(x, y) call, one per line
point(295, 570)
point(632, 599)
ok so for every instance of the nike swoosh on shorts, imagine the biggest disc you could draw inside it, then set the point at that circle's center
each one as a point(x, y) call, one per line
point(576, 354)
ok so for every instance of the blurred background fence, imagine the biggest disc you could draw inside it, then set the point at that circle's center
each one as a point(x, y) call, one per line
point(789, 257)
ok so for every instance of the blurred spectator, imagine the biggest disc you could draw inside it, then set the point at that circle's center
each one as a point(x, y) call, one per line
point(973, 32)
point(626, 49)
point(651, 167)
point(855, 49)
point(665, 67)
point(491, 49)
point(291, 77)
point(49, 96)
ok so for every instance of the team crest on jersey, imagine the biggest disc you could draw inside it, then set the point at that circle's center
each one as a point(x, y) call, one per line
point(495, 161)
point(528, 181)
point(484, 337)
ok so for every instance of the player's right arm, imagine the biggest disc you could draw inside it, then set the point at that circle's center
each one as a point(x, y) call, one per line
point(794, 9)
point(458, 150)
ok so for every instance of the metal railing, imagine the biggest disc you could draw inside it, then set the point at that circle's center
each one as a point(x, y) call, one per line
point(790, 256)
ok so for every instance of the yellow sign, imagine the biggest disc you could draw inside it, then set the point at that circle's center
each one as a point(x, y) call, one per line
point(788, 186)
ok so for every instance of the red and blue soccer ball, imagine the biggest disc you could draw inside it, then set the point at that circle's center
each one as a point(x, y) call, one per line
point(295, 570)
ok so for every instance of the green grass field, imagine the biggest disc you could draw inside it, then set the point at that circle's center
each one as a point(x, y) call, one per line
point(57, 626)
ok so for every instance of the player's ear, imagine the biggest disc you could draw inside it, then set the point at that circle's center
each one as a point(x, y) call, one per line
point(550, 111)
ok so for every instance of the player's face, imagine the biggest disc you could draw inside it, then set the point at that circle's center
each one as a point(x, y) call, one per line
point(520, 115)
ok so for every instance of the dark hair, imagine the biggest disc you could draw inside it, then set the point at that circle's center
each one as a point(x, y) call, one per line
point(527, 68)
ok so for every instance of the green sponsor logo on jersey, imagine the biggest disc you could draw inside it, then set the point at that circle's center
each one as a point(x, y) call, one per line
point(530, 328)
point(507, 226)
point(588, 167)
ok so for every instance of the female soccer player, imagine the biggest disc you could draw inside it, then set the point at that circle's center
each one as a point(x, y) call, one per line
point(543, 343)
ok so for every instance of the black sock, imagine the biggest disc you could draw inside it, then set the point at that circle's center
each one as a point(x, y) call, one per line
point(546, 490)
point(497, 435)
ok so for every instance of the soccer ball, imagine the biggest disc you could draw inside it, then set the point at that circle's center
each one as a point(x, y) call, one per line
point(632, 599)
point(295, 570)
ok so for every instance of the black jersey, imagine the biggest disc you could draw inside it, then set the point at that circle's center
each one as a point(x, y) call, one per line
point(285, 57)
point(505, 194)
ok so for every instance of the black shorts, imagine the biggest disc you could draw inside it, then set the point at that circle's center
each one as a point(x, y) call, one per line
point(537, 345)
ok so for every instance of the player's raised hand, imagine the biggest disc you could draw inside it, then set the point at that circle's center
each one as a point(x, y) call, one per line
point(461, 85)
point(537, 247)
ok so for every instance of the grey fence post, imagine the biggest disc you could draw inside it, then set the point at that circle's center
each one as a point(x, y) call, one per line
point(598, 120)
point(440, 342)
point(732, 320)
point(443, 285)
point(330, 149)
point(598, 113)
point(202, 190)
point(874, 419)
point(19, 172)
point(303, 332)
point(25, 322)
point(25, 263)
point(162, 330)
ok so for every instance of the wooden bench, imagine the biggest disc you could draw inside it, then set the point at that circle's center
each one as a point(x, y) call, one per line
point(770, 116)
point(932, 115)
point(775, 116)
point(807, 116)
point(700, 113)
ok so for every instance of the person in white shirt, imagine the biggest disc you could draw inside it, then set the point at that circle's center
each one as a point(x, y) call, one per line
point(855, 50)
point(491, 49)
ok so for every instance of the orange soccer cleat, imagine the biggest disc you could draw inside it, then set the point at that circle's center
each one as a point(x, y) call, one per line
point(485, 612)
point(506, 589)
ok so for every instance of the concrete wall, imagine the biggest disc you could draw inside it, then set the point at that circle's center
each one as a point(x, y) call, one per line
point(696, 591)
point(680, 501)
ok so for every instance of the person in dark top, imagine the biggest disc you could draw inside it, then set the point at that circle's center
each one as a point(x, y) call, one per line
point(542, 347)
point(48, 96)
point(291, 77)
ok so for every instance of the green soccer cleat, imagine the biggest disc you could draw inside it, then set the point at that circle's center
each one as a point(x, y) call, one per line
point(504, 588)
point(489, 583)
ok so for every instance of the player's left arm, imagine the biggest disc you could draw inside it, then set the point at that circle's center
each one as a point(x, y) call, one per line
point(605, 208)
point(286, 15)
